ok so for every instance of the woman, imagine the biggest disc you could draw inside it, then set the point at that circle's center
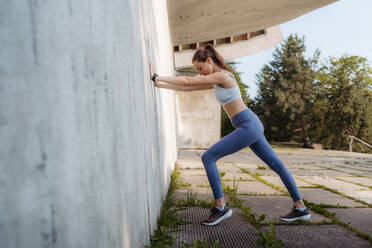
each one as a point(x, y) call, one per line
point(248, 131)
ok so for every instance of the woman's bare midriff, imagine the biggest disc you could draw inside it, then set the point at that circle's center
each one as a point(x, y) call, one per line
point(235, 107)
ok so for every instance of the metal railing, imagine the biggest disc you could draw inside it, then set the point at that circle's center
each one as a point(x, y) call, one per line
point(351, 142)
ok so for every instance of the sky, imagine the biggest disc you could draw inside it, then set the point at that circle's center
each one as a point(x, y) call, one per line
point(343, 27)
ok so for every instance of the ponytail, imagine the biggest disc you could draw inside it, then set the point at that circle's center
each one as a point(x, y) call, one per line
point(208, 51)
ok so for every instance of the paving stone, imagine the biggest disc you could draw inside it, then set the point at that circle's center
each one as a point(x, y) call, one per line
point(324, 172)
point(274, 206)
point(367, 175)
point(358, 164)
point(336, 184)
point(319, 196)
point(352, 171)
point(252, 187)
point(349, 189)
point(331, 165)
point(306, 166)
point(192, 172)
point(365, 163)
point(357, 167)
point(232, 232)
point(363, 195)
point(195, 164)
point(225, 168)
point(277, 181)
point(196, 180)
point(360, 218)
point(187, 154)
point(205, 196)
point(241, 157)
point(267, 172)
point(219, 163)
point(361, 180)
point(206, 192)
point(318, 236)
point(246, 165)
point(237, 176)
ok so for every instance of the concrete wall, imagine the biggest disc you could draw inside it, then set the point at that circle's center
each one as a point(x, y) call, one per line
point(198, 117)
point(86, 141)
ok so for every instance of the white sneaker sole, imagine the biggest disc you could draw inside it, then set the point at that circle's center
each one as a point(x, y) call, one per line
point(304, 217)
point(227, 215)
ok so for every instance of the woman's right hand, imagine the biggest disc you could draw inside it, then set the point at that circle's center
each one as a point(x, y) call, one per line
point(152, 70)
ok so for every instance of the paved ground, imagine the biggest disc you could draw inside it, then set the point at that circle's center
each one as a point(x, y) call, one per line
point(341, 181)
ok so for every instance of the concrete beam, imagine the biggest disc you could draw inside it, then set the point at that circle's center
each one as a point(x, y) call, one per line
point(195, 21)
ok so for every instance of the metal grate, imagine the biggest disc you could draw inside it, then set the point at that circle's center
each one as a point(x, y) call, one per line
point(231, 232)
point(237, 232)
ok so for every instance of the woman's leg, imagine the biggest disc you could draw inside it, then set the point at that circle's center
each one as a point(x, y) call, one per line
point(264, 151)
point(233, 142)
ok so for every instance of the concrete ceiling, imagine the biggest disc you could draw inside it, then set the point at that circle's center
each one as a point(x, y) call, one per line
point(194, 21)
point(242, 48)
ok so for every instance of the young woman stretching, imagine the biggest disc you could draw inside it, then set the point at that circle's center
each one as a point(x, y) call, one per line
point(248, 131)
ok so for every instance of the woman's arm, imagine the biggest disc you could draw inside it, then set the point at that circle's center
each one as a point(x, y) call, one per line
point(198, 87)
point(169, 86)
point(176, 80)
point(206, 82)
point(183, 88)
point(215, 78)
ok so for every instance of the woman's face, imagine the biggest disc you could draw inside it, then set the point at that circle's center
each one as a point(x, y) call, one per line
point(204, 68)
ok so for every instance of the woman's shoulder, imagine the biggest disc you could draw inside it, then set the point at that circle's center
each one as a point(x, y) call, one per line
point(230, 80)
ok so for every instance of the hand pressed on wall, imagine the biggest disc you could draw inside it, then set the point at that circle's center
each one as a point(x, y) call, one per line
point(152, 70)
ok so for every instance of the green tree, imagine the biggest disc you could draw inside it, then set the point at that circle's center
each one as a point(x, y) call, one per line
point(285, 94)
point(343, 103)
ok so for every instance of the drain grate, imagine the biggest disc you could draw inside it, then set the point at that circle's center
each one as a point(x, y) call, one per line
point(232, 232)
point(236, 232)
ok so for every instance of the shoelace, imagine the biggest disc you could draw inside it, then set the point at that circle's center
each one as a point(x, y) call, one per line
point(214, 210)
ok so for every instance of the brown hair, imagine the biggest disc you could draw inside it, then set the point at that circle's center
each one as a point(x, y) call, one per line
point(208, 51)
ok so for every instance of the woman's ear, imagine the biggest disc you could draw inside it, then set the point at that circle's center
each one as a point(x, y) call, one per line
point(209, 60)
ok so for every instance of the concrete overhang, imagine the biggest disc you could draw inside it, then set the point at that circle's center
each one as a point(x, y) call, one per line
point(193, 21)
point(247, 45)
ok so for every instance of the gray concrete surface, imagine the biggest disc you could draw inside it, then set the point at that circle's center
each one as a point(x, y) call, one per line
point(359, 218)
point(320, 196)
point(86, 141)
point(318, 234)
point(274, 206)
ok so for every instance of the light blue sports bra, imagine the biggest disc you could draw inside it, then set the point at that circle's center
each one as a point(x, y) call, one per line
point(223, 95)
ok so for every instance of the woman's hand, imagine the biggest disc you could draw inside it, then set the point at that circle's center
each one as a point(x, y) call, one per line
point(152, 70)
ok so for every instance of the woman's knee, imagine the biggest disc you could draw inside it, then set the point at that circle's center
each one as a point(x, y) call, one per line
point(207, 157)
point(277, 168)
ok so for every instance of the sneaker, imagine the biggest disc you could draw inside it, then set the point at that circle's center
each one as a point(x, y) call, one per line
point(216, 216)
point(296, 214)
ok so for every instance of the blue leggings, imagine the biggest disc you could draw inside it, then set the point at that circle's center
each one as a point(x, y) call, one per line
point(249, 131)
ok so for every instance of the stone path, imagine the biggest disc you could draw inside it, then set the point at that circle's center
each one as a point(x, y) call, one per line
point(339, 182)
